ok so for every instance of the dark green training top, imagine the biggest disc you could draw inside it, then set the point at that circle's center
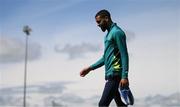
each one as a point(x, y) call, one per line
point(115, 56)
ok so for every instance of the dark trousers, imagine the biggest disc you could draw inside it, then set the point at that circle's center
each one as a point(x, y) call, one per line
point(111, 92)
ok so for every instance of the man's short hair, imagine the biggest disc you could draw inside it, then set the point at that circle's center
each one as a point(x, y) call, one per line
point(103, 13)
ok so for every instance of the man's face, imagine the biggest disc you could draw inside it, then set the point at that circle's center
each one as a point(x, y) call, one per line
point(101, 22)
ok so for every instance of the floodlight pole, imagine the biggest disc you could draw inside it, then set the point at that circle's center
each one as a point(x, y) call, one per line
point(27, 31)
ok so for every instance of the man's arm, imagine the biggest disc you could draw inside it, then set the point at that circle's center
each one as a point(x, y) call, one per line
point(96, 65)
point(120, 39)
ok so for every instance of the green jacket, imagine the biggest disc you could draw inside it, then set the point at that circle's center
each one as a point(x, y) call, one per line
point(115, 56)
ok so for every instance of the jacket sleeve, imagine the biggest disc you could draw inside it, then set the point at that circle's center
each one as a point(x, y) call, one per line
point(98, 64)
point(120, 40)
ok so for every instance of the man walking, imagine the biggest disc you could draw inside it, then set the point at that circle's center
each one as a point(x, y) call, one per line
point(115, 59)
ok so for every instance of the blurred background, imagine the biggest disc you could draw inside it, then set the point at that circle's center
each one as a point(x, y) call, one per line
point(65, 39)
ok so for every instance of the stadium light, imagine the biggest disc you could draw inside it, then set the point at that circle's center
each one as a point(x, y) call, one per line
point(26, 30)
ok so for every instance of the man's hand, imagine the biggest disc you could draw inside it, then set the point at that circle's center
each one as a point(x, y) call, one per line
point(85, 71)
point(124, 82)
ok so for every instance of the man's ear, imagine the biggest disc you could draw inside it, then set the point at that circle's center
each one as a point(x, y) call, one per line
point(106, 18)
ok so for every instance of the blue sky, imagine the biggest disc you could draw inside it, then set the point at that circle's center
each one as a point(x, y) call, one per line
point(65, 38)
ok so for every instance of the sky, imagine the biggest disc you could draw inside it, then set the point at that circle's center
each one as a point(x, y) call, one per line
point(65, 39)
